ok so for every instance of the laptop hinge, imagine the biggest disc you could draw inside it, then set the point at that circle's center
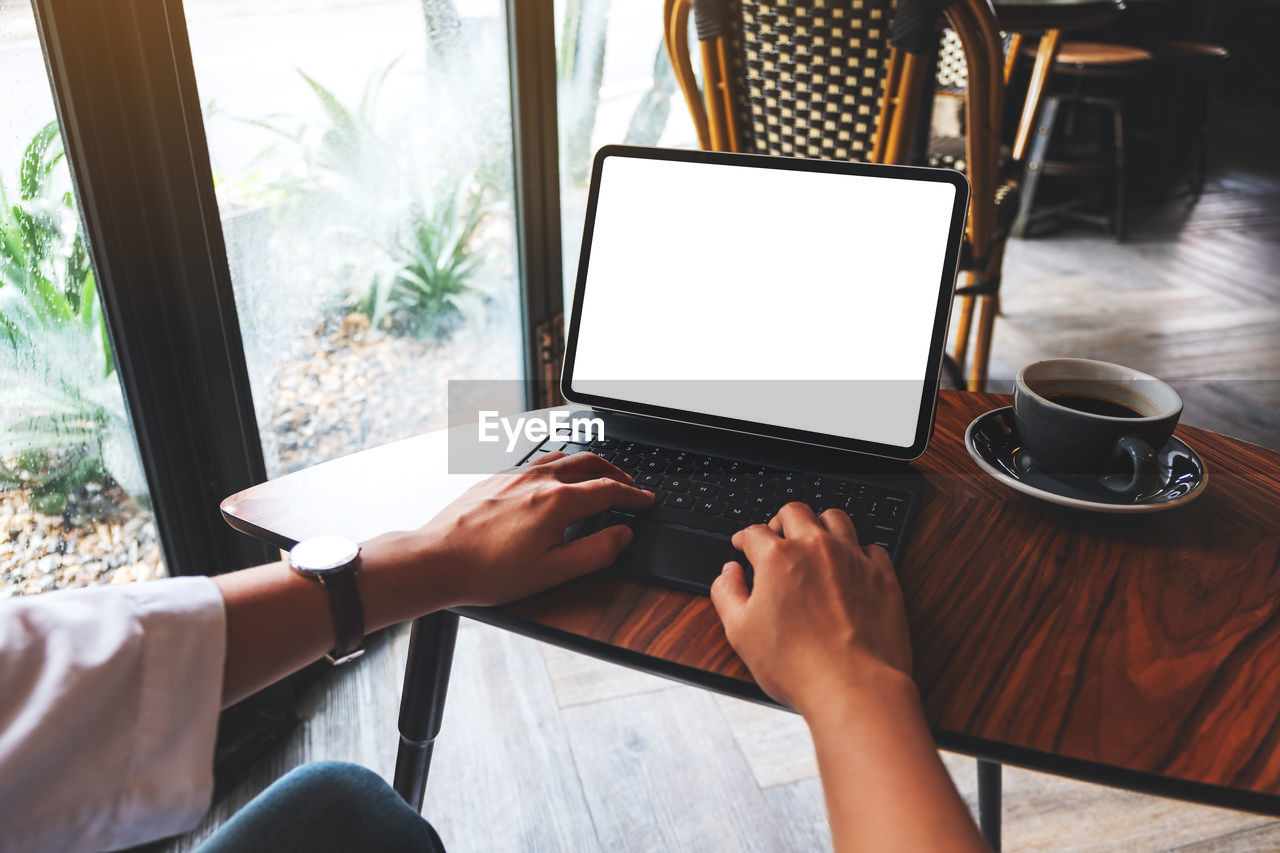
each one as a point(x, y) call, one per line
point(550, 337)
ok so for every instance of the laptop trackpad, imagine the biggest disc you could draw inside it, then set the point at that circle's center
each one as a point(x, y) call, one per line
point(676, 557)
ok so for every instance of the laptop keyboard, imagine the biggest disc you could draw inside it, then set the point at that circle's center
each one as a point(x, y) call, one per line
point(722, 495)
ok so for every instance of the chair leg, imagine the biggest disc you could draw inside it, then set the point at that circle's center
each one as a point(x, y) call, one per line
point(426, 682)
point(964, 322)
point(977, 377)
point(1117, 110)
point(989, 794)
point(1035, 164)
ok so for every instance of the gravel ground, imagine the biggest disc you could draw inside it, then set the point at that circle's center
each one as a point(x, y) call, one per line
point(351, 388)
point(104, 536)
point(356, 387)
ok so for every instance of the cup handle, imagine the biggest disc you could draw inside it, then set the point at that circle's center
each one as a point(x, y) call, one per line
point(1146, 467)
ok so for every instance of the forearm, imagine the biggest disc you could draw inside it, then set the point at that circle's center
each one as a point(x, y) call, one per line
point(278, 622)
point(885, 786)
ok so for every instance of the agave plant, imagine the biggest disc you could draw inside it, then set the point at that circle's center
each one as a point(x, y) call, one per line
point(420, 258)
point(62, 416)
point(435, 263)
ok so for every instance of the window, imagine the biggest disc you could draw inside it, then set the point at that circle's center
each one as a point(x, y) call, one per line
point(362, 159)
point(616, 85)
point(74, 506)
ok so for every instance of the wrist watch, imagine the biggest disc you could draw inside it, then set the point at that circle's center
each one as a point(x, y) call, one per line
point(332, 562)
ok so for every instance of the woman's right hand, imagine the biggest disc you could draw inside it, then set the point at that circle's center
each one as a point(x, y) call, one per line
point(825, 613)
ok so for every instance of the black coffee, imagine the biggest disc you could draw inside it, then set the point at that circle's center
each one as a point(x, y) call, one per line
point(1095, 405)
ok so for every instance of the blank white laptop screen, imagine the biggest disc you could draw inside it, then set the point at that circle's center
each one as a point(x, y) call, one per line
point(802, 299)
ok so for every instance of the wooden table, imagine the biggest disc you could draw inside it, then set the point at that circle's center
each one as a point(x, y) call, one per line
point(1135, 651)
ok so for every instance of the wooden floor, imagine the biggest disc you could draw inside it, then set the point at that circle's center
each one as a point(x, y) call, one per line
point(546, 750)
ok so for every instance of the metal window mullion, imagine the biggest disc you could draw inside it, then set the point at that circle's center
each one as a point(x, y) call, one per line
point(125, 92)
point(535, 151)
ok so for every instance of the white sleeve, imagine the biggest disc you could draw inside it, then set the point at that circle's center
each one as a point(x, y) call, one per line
point(109, 700)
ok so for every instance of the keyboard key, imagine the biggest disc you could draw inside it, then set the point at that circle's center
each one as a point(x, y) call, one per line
point(709, 507)
point(680, 501)
point(608, 444)
point(815, 483)
point(735, 496)
point(668, 514)
point(764, 502)
point(648, 478)
point(631, 447)
point(741, 513)
point(609, 519)
point(627, 460)
point(657, 452)
point(680, 470)
point(741, 481)
point(569, 448)
point(650, 464)
point(676, 484)
point(881, 532)
point(883, 508)
point(705, 490)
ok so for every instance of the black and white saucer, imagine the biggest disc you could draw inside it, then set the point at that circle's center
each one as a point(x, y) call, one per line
point(992, 440)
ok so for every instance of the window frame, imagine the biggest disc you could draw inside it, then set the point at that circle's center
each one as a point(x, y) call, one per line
point(124, 88)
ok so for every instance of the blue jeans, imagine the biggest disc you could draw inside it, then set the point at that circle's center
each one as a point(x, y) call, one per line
point(326, 807)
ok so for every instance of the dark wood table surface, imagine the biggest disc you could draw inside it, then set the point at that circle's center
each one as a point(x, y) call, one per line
point(1138, 651)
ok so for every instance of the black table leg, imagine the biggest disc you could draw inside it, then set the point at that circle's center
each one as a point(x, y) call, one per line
point(989, 802)
point(426, 681)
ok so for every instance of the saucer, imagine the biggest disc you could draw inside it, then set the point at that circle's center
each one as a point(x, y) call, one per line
point(992, 440)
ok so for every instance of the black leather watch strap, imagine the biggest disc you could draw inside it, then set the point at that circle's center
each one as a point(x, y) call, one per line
point(334, 562)
point(348, 616)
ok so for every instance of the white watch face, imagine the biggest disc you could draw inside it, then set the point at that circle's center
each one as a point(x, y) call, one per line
point(323, 554)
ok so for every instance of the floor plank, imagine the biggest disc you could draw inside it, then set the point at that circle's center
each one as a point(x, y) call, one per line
point(1048, 813)
point(504, 776)
point(662, 772)
point(579, 680)
point(775, 743)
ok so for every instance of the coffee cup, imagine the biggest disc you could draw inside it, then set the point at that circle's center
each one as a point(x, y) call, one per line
point(1103, 422)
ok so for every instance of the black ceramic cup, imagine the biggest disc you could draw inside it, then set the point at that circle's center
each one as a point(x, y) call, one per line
point(1095, 420)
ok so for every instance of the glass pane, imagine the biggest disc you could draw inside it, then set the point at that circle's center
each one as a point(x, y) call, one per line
point(73, 500)
point(616, 86)
point(362, 158)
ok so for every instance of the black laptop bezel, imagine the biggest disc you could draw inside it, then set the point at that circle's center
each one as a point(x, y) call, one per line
point(946, 288)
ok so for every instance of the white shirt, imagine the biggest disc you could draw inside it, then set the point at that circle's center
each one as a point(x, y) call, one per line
point(109, 701)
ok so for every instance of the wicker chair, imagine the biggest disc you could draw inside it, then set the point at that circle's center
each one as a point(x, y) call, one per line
point(842, 79)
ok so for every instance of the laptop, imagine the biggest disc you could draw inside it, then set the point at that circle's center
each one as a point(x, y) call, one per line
point(747, 331)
